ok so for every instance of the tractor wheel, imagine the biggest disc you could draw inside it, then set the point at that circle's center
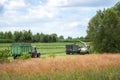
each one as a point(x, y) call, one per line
point(38, 55)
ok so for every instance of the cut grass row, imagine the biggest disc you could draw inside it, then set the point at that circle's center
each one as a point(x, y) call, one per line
point(43, 48)
point(50, 48)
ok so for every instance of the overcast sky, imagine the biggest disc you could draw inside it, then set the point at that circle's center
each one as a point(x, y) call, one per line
point(63, 17)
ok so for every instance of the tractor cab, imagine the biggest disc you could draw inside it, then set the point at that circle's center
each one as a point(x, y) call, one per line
point(34, 52)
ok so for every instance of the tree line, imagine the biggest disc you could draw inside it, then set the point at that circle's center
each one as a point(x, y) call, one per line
point(104, 30)
point(28, 36)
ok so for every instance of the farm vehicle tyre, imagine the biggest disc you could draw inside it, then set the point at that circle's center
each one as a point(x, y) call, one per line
point(78, 52)
point(67, 53)
point(38, 55)
point(15, 56)
point(87, 52)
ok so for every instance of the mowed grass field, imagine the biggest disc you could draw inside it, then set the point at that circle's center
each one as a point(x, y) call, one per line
point(62, 66)
point(44, 48)
point(47, 49)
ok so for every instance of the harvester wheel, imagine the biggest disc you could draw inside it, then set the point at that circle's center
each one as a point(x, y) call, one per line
point(87, 52)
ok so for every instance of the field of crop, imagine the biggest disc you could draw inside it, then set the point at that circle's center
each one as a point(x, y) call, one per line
point(74, 67)
point(55, 65)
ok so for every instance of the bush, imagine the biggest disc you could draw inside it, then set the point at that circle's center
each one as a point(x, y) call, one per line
point(6, 41)
point(24, 56)
point(4, 54)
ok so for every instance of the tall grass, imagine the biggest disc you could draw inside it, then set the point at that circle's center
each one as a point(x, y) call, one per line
point(66, 63)
point(76, 67)
point(91, 74)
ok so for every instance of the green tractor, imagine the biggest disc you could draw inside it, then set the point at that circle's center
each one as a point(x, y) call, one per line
point(17, 49)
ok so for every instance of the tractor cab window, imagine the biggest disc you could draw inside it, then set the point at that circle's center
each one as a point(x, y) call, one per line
point(34, 49)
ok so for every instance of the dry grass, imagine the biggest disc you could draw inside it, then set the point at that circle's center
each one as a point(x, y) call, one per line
point(66, 63)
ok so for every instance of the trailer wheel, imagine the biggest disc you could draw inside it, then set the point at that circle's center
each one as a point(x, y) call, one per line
point(14, 56)
point(67, 53)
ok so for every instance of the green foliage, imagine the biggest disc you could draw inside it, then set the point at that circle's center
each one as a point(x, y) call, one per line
point(49, 38)
point(27, 36)
point(24, 56)
point(61, 38)
point(36, 37)
point(4, 54)
point(6, 37)
point(6, 41)
point(78, 39)
point(17, 36)
point(104, 30)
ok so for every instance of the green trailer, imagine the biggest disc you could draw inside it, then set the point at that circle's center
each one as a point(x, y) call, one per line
point(17, 49)
point(20, 48)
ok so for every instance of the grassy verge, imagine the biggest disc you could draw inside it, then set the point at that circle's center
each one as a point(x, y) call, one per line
point(108, 73)
point(74, 67)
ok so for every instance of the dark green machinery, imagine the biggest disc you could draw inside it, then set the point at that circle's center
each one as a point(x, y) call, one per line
point(18, 49)
point(73, 48)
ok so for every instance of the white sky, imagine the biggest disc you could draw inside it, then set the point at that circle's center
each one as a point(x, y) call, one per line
point(63, 17)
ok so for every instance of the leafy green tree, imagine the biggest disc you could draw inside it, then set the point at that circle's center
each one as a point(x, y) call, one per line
point(41, 37)
point(117, 8)
point(26, 36)
point(1, 35)
point(45, 38)
point(36, 38)
point(61, 38)
point(69, 38)
point(17, 36)
point(104, 30)
point(9, 35)
point(54, 37)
